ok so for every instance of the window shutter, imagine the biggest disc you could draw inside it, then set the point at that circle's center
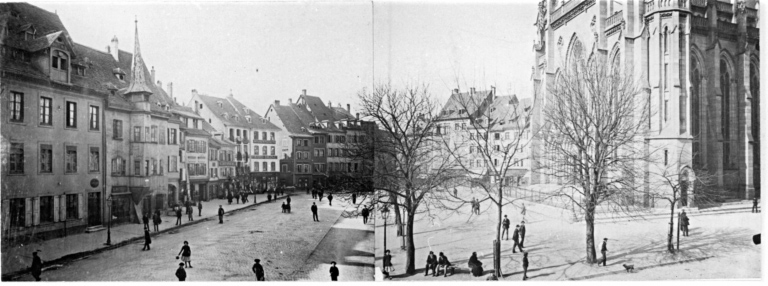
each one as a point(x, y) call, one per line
point(56, 208)
point(36, 207)
point(80, 206)
point(6, 214)
point(28, 210)
point(63, 208)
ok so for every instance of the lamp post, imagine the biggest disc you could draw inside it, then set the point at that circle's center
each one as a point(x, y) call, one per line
point(385, 215)
point(109, 224)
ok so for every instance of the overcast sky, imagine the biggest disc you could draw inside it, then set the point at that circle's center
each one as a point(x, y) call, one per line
point(332, 49)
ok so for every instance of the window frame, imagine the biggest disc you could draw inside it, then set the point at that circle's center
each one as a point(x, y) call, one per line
point(16, 107)
point(45, 111)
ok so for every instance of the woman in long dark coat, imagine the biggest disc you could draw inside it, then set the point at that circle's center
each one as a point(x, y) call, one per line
point(475, 265)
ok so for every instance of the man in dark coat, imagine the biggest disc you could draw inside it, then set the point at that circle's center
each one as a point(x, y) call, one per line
point(330, 199)
point(354, 199)
point(684, 222)
point(200, 208)
point(258, 270)
point(604, 251)
point(525, 265)
point(181, 273)
point(444, 264)
point(516, 239)
point(37, 266)
point(288, 199)
point(505, 224)
point(314, 193)
point(314, 212)
point(156, 220)
point(365, 215)
point(190, 213)
point(178, 215)
point(147, 239)
point(229, 197)
point(522, 233)
point(754, 205)
point(221, 214)
point(334, 271)
point(145, 220)
point(431, 264)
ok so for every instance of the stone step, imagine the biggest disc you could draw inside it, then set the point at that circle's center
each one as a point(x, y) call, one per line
point(94, 228)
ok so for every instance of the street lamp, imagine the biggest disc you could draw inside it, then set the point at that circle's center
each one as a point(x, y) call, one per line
point(109, 224)
point(385, 215)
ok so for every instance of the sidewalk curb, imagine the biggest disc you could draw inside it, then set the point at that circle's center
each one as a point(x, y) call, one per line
point(297, 272)
point(11, 276)
point(640, 268)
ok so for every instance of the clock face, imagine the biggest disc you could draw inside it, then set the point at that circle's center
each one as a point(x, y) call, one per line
point(94, 183)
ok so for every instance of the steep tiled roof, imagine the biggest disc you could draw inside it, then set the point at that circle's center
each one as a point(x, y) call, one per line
point(185, 111)
point(23, 16)
point(509, 108)
point(212, 103)
point(207, 127)
point(465, 100)
point(257, 121)
point(317, 108)
point(195, 132)
point(342, 113)
point(290, 119)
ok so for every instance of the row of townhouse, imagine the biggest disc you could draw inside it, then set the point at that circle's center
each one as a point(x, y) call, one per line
point(478, 127)
point(88, 134)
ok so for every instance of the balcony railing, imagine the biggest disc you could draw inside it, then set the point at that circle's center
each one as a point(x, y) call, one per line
point(700, 22)
point(263, 141)
point(751, 13)
point(568, 6)
point(727, 28)
point(614, 19)
point(724, 7)
point(699, 3)
point(654, 5)
point(753, 33)
point(263, 156)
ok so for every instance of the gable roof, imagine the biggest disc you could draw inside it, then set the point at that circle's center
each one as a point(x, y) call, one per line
point(257, 121)
point(471, 102)
point(290, 119)
point(212, 103)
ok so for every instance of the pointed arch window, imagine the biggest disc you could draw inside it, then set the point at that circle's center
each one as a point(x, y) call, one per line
point(725, 113)
point(695, 111)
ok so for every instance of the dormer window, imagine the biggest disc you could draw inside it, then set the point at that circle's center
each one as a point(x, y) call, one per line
point(59, 66)
point(248, 118)
point(119, 73)
point(29, 35)
point(219, 103)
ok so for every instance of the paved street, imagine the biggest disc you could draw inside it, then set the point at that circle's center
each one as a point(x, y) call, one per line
point(220, 252)
point(556, 246)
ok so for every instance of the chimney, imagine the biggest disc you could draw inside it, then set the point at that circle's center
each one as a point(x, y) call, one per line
point(160, 84)
point(455, 91)
point(471, 90)
point(329, 104)
point(277, 102)
point(153, 74)
point(493, 91)
point(348, 109)
point(358, 115)
point(290, 101)
point(170, 89)
point(113, 49)
point(194, 92)
point(303, 92)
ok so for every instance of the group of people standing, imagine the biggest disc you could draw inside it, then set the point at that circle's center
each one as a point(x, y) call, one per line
point(518, 236)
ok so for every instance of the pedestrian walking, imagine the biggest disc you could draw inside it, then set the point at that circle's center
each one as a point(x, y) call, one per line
point(190, 213)
point(221, 214)
point(684, 222)
point(604, 251)
point(147, 239)
point(186, 254)
point(269, 196)
point(320, 195)
point(258, 270)
point(475, 266)
point(178, 215)
point(199, 208)
point(505, 224)
point(330, 199)
point(754, 205)
point(354, 198)
point(525, 266)
point(473, 205)
point(288, 208)
point(181, 273)
point(431, 264)
point(288, 199)
point(522, 234)
point(334, 271)
point(314, 212)
point(145, 220)
point(365, 214)
point(229, 197)
point(156, 220)
point(444, 264)
point(285, 209)
point(516, 239)
point(37, 266)
point(388, 264)
point(314, 193)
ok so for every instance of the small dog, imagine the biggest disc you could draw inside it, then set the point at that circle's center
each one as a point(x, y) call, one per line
point(629, 267)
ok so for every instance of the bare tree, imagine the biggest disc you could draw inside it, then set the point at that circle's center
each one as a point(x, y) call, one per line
point(679, 185)
point(406, 167)
point(592, 138)
point(487, 136)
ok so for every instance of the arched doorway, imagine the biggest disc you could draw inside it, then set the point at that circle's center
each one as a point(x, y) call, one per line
point(686, 188)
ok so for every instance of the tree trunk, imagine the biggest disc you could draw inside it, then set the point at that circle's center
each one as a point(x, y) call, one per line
point(410, 248)
point(589, 218)
point(497, 250)
point(670, 246)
